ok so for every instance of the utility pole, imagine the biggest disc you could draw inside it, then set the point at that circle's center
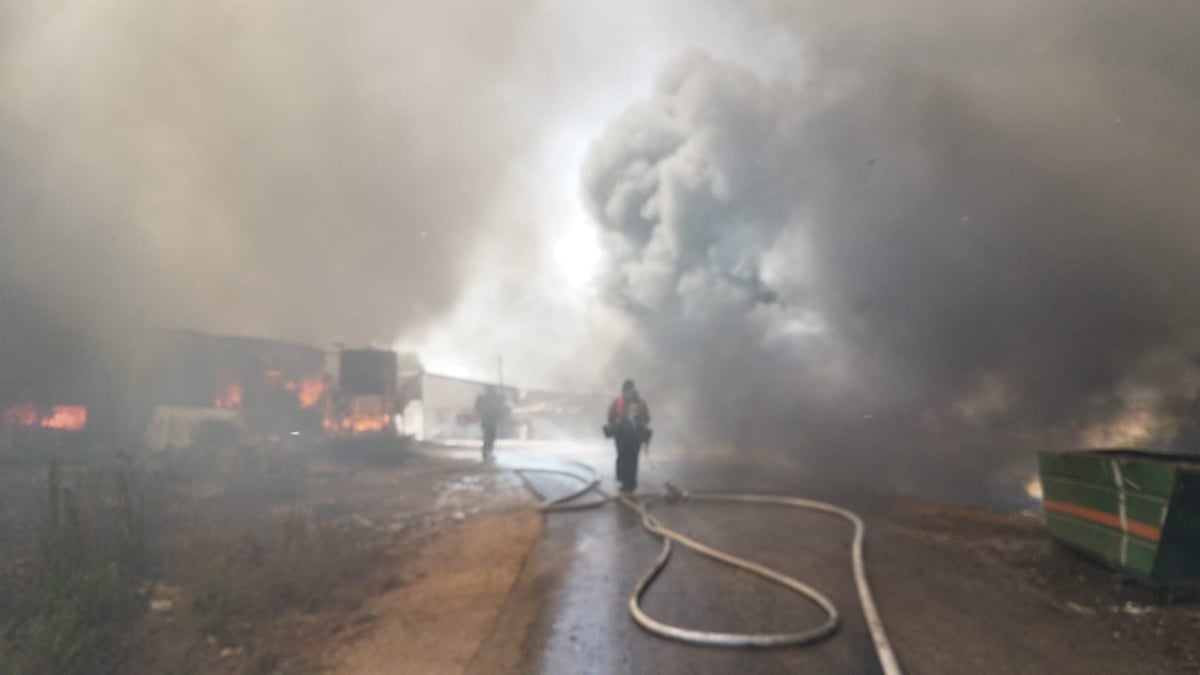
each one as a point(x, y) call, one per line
point(500, 369)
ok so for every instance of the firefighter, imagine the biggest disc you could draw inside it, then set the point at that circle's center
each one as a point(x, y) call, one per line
point(492, 409)
point(629, 426)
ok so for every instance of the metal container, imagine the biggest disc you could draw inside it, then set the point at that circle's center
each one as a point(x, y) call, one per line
point(1137, 511)
point(368, 372)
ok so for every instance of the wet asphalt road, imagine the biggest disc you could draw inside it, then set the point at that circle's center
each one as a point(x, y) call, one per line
point(956, 588)
point(582, 572)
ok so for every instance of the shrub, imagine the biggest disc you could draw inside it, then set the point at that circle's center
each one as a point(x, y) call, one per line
point(70, 611)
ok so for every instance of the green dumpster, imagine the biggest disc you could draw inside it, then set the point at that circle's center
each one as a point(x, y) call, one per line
point(1135, 510)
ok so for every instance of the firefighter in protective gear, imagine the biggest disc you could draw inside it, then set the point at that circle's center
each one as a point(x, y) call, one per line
point(629, 426)
point(492, 410)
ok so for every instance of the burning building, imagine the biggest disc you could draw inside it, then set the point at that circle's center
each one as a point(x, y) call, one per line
point(368, 396)
point(47, 393)
point(111, 391)
point(273, 387)
point(160, 387)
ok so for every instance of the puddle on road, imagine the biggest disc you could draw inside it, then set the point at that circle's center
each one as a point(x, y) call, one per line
point(472, 493)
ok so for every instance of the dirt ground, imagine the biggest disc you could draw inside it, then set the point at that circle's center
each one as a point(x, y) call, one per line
point(435, 623)
point(995, 589)
point(300, 560)
point(363, 561)
point(453, 535)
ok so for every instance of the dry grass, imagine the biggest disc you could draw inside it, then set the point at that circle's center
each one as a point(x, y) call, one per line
point(66, 607)
point(237, 579)
point(225, 527)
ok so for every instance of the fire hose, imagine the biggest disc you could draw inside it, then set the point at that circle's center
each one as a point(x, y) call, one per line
point(569, 502)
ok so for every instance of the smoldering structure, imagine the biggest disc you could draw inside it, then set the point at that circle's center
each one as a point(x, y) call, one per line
point(77, 391)
point(966, 236)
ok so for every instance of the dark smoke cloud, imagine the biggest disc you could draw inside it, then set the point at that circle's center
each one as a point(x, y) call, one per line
point(942, 226)
point(910, 223)
point(310, 171)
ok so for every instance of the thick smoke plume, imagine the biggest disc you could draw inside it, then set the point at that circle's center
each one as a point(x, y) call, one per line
point(308, 171)
point(942, 228)
point(897, 224)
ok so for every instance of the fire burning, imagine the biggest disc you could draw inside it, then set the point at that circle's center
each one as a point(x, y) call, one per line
point(362, 416)
point(358, 424)
point(64, 417)
point(1033, 487)
point(308, 391)
point(229, 389)
point(67, 417)
point(229, 396)
point(21, 415)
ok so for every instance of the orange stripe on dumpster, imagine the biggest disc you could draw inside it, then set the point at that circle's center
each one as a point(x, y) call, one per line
point(1147, 532)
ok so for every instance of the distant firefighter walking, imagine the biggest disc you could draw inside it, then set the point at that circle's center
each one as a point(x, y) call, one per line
point(492, 410)
point(629, 426)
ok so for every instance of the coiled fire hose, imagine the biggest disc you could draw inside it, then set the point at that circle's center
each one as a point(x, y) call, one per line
point(568, 502)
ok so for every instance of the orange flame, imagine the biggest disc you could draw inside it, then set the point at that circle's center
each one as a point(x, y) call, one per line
point(229, 397)
point(22, 415)
point(308, 391)
point(364, 416)
point(229, 389)
point(68, 417)
point(65, 417)
point(1033, 487)
point(358, 424)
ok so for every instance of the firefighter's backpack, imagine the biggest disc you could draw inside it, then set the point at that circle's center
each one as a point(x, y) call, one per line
point(627, 413)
